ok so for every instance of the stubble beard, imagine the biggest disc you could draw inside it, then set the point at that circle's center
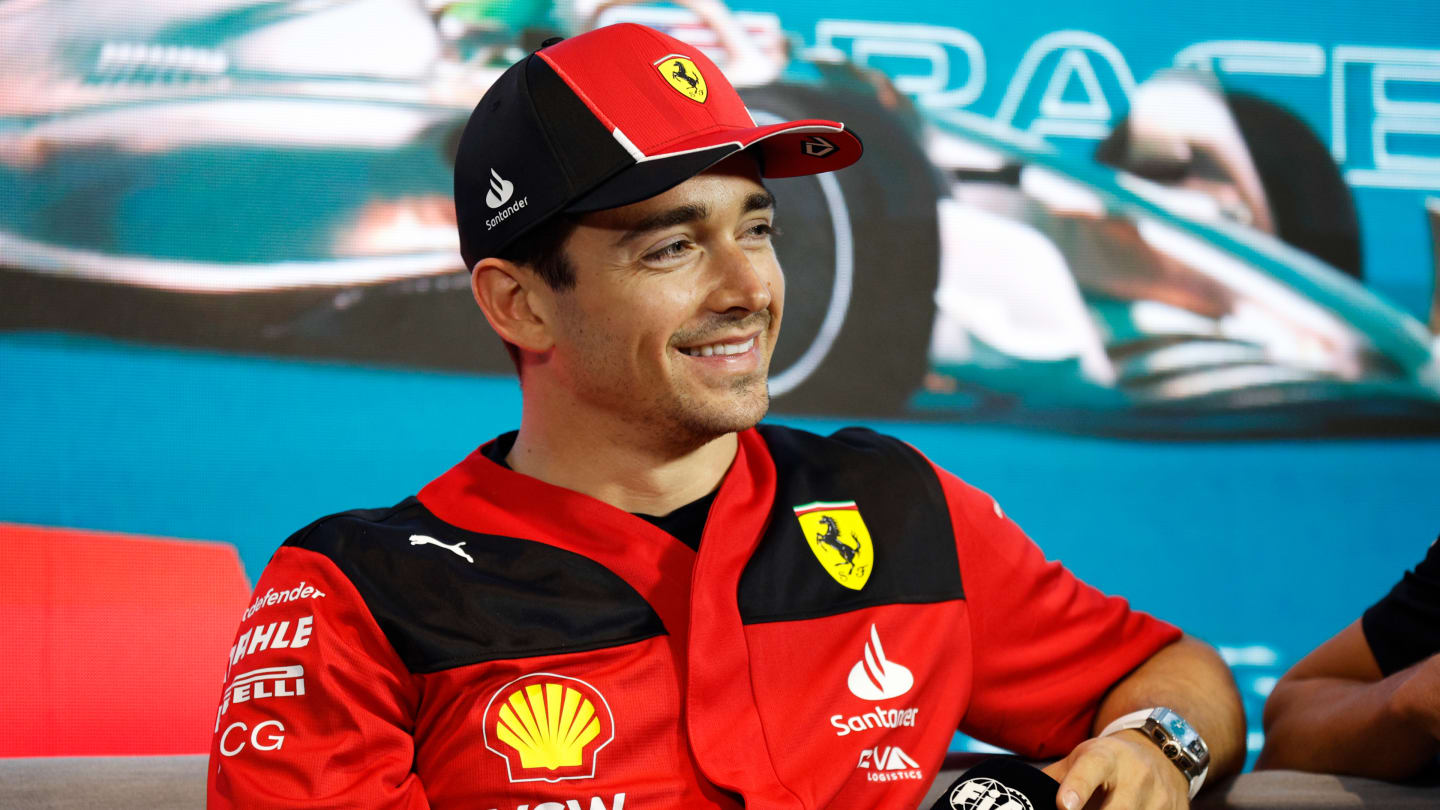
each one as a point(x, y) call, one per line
point(681, 419)
point(693, 423)
point(689, 421)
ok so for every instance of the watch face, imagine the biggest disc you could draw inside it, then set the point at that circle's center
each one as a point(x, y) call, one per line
point(1181, 744)
point(1177, 725)
point(1184, 745)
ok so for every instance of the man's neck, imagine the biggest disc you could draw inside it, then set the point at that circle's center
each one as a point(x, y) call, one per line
point(610, 465)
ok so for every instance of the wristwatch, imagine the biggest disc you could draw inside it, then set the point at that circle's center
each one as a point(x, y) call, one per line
point(1177, 740)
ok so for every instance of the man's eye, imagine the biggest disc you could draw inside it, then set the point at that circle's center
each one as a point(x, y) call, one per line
point(763, 229)
point(674, 250)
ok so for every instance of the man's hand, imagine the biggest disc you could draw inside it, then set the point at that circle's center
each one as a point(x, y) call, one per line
point(1128, 770)
point(1124, 770)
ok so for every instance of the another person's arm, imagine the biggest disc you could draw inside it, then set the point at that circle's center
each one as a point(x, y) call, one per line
point(1336, 712)
point(1366, 702)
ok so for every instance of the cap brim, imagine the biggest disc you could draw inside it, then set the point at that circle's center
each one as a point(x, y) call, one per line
point(790, 149)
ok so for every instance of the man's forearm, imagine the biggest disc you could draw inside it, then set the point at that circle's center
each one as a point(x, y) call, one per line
point(1190, 678)
point(1337, 725)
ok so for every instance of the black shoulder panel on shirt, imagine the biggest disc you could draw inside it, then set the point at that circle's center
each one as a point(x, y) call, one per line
point(903, 510)
point(446, 597)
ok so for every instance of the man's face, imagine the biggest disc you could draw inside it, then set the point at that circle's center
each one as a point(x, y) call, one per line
point(676, 307)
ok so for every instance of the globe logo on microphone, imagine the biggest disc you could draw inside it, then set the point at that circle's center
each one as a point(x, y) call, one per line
point(987, 794)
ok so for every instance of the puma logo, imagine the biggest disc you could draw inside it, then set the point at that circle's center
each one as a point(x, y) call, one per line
point(421, 540)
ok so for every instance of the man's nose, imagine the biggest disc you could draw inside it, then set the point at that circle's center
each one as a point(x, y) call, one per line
point(744, 281)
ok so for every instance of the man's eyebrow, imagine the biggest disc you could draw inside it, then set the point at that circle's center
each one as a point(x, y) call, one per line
point(665, 219)
point(759, 201)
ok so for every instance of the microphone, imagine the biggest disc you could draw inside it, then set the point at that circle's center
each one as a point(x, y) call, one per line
point(1000, 783)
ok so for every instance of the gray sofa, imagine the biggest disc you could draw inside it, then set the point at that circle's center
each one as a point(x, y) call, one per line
point(178, 783)
point(1268, 790)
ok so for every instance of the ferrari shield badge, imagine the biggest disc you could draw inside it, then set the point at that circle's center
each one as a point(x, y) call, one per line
point(837, 536)
point(682, 75)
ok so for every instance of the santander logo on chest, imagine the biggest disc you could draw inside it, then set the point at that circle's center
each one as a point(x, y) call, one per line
point(875, 678)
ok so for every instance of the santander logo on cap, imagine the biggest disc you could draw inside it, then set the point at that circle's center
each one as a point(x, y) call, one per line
point(500, 190)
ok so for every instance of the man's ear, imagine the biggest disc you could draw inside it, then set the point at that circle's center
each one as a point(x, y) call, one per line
point(515, 301)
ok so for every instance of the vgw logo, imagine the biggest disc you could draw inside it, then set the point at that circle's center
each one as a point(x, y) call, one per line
point(596, 803)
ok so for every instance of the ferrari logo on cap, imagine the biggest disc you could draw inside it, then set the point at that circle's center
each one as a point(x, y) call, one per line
point(682, 75)
point(837, 536)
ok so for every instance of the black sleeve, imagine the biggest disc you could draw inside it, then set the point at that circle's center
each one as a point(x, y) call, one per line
point(1404, 627)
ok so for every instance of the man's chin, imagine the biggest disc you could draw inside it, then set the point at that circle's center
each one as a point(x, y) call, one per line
point(742, 410)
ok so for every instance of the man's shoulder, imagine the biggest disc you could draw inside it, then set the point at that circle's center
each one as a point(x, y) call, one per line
point(851, 457)
point(854, 443)
point(860, 502)
point(356, 525)
point(410, 540)
point(446, 596)
point(376, 548)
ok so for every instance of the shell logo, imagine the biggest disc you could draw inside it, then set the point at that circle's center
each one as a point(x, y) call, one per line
point(548, 727)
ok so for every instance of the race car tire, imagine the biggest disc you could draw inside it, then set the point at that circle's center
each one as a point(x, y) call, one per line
point(861, 252)
point(1313, 207)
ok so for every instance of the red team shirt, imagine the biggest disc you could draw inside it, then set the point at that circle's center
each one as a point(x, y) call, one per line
point(503, 644)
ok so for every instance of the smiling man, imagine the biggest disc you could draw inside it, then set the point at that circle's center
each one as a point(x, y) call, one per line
point(642, 599)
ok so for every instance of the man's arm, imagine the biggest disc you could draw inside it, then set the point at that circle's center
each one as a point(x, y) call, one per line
point(1129, 769)
point(317, 709)
point(1336, 712)
point(1057, 660)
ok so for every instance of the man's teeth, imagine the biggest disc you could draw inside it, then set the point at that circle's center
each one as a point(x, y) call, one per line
point(720, 349)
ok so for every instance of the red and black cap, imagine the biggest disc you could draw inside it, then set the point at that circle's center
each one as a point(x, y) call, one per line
point(607, 118)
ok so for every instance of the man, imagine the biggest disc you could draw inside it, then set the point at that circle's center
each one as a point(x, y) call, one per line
point(1366, 702)
point(641, 600)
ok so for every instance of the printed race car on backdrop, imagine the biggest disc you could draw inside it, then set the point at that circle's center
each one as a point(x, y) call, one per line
point(262, 178)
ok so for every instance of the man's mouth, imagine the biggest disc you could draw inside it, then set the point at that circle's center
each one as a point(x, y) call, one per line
point(721, 349)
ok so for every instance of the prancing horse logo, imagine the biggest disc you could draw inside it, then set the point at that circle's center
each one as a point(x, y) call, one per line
point(681, 73)
point(424, 540)
point(839, 539)
point(831, 537)
point(683, 76)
